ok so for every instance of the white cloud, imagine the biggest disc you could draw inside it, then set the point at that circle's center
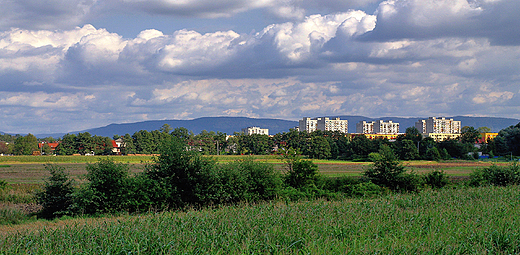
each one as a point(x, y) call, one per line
point(319, 65)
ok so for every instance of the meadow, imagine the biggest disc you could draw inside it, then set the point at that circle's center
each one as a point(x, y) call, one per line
point(483, 220)
point(30, 169)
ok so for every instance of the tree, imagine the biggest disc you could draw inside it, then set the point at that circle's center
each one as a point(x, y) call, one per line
point(25, 145)
point(319, 148)
point(144, 143)
point(180, 176)
point(299, 173)
point(56, 195)
point(469, 135)
point(508, 141)
point(68, 145)
point(106, 189)
point(128, 147)
point(182, 133)
point(388, 171)
point(484, 130)
point(407, 149)
point(411, 133)
point(165, 129)
point(4, 148)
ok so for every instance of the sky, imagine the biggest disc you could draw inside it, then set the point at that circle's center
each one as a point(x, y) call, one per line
point(71, 65)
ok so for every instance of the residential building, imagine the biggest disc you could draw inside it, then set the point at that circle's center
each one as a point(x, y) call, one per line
point(308, 124)
point(365, 127)
point(326, 124)
point(323, 123)
point(438, 126)
point(381, 127)
point(255, 131)
point(439, 137)
point(390, 137)
point(421, 126)
point(486, 137)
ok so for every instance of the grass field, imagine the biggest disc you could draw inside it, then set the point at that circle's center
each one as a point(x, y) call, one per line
point(450, 221)
point(30, 169)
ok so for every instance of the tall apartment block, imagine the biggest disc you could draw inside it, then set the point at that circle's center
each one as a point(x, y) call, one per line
point(324, 124)
point(438, 126)
point(365, 127)
point(377, 127)
point(255, 130)
point(381, 127)
point(308, 124)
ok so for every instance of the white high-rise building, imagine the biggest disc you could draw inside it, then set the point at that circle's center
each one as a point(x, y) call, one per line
point(421, 126)
point(381, 127)
point(365, 127)
point(326, 124)
point(308, 124)
point(255, 130)
point(438, 126)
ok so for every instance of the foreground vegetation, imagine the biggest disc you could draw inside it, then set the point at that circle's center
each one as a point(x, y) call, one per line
point(249, 206)
point(465, 220)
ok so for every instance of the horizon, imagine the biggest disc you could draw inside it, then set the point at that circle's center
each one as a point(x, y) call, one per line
point(351, 125)
point(79, 65)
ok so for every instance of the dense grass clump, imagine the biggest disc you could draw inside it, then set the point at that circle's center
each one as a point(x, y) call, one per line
point(496, 175)
point(447, 221)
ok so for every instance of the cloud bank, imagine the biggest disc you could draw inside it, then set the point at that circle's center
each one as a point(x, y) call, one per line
point(409, 58)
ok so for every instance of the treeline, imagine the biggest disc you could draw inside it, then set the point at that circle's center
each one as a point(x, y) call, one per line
point(180, 178)
point(317, 145)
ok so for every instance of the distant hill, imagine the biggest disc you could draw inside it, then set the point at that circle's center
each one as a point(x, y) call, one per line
point(229, 125)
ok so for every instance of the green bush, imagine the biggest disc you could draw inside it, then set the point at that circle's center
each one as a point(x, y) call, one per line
point(180, 177)
point(387, 171)
point(436, 179)
point(304, 173)
point(12, 216)
point(56, 197)
point(3, 185)
point(496, 175)
point(106, 191)
point(259, 180)
point(502, 176)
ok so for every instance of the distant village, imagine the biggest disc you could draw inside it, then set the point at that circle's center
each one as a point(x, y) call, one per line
point(439, 129)
point(211, 143)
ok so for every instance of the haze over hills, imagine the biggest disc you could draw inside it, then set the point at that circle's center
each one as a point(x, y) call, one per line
point(229, 125)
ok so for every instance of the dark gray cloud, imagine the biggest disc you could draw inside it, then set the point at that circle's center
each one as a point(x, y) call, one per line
point(423, 20)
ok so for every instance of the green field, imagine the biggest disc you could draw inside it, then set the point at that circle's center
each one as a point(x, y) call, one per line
point(450, 221)
point(30, 169)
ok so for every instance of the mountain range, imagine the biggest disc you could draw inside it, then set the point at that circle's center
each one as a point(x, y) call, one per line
point(229, 125)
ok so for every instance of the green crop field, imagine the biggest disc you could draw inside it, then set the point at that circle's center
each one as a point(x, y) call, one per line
point(30, 169)
point(482, 220)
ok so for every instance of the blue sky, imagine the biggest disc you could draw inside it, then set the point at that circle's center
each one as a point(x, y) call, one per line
point(68, 65)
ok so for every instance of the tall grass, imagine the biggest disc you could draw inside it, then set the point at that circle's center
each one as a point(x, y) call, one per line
point(468, 220)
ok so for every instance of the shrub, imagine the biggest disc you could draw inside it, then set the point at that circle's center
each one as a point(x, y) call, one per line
point(496, 175)
point(502, 176)
point(107, 188)
point(56, 196)
point(3, 185)
point(180, 177)
point(299, 173)
point(263, 182)
point(387, 171)
point(436, 179)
